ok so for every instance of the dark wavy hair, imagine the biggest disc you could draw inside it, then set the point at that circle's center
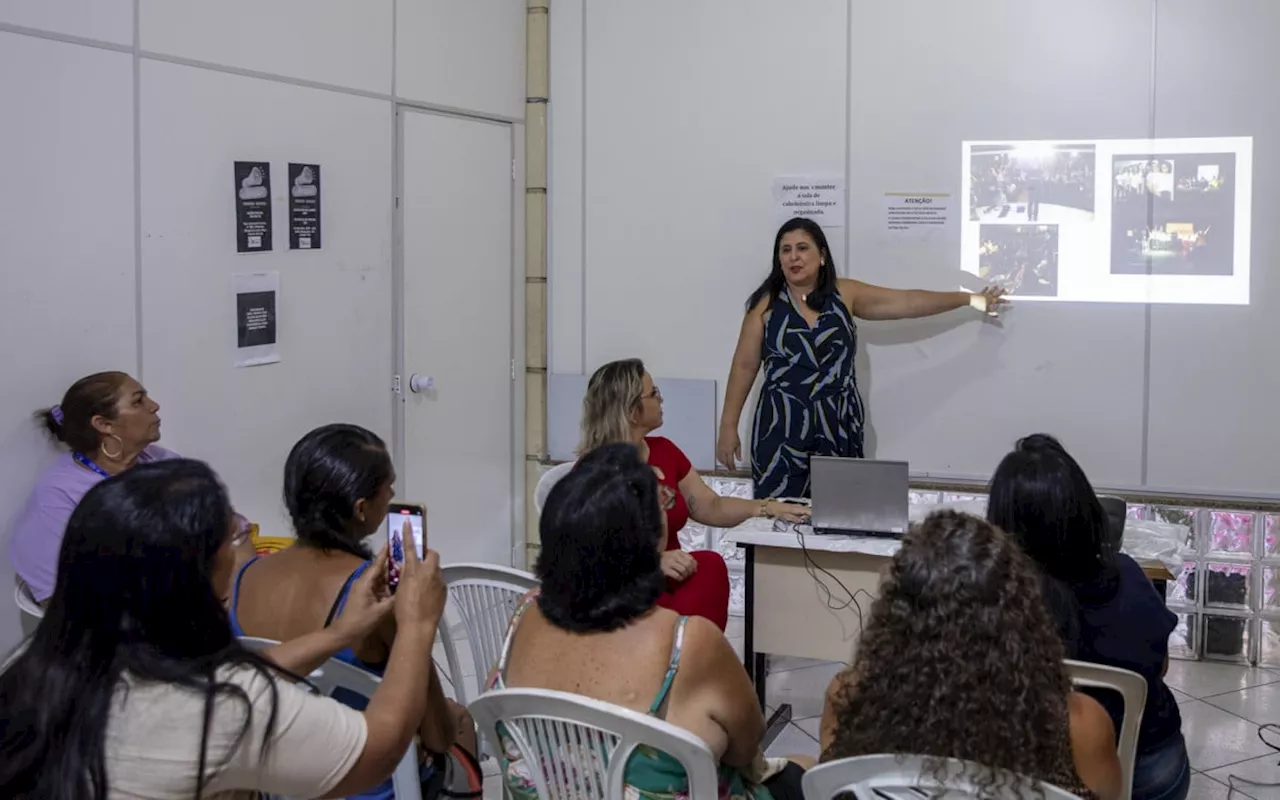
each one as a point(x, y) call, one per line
point(959, 659)
point(327, 472)
point(134, 596)
point(776, 282)
point(601, 531)
point(1041, 496)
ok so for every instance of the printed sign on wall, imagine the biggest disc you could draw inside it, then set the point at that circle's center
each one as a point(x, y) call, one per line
point(304, 206)
point(253, 206)
point(257, 296)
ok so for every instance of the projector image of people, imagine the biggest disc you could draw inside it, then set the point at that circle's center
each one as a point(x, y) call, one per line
point(1021, 259)
point(1053, 184)
point(1173, 214)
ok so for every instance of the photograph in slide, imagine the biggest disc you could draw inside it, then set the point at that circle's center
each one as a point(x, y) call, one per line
point(1021, 259)
point(1173, 214)
point(1038, 182)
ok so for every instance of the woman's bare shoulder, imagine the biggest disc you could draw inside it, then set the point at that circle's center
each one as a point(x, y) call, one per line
point(1089, 720)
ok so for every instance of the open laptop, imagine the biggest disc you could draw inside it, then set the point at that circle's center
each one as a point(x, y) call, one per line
point(857, 496)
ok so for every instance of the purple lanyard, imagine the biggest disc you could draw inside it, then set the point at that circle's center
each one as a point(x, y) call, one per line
point(87, 464)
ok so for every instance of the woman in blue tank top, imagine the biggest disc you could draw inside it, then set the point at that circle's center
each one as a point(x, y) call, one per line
point(338, 483)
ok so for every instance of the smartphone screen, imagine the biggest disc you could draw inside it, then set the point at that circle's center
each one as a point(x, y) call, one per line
point(397, 513)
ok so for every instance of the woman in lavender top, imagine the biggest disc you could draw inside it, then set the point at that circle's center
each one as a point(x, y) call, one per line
point(108, 423)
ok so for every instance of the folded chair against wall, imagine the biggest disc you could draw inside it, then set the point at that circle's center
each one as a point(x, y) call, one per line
point(29, 611)
point(1132, 688)
point(335, 675)
point(891, 777)
point(483, 596)
point(574, 747)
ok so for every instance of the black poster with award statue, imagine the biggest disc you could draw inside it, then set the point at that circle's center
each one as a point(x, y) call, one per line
point(304, 206)
point(253, 206)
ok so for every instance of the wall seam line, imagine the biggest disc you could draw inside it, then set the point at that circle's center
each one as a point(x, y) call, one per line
point(138, 329)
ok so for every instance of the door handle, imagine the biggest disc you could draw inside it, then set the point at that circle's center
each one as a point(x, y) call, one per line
point(421, 383)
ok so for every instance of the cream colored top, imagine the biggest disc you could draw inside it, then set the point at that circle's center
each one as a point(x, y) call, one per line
point(153, 741)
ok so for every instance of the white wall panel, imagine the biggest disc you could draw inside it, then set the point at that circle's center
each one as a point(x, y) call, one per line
point(67, 267)
point(565, 167)
point(104, 20)
point(334, 305)
point(340, 42)
point(690, 113)
point(465, 55)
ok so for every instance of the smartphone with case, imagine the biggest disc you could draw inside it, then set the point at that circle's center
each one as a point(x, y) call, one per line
point(397, 515)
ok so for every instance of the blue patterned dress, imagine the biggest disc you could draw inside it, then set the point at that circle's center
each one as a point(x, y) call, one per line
point(810, 403)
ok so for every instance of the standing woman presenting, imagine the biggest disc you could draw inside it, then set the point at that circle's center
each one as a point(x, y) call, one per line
point(799, 324)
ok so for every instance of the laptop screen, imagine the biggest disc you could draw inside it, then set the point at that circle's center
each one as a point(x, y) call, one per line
point(856, 495)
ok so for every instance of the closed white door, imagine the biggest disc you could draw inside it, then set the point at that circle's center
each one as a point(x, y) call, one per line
point(457, 264)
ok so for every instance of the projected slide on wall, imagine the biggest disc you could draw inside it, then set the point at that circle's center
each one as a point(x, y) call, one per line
point(1110, 220)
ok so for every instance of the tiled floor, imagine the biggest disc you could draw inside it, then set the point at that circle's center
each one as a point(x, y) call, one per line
point(1222, 706)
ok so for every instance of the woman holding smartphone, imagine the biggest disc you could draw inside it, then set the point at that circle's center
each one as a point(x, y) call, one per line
point(338, 485)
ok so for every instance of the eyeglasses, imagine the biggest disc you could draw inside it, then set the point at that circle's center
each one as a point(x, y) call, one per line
point(655, 394)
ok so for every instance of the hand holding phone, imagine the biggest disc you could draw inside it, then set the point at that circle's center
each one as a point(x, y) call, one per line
point(423, 594)
point(406, 522)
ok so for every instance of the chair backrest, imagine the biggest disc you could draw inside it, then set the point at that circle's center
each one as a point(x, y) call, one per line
point(575, 747)
point(1132, 688)
point(892, 777)
point(13, 654)
point(406, 781)
point(549, 478)
point(484, 597)
point(29, 611)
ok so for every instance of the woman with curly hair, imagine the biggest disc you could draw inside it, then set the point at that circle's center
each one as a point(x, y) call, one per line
point(960, 659)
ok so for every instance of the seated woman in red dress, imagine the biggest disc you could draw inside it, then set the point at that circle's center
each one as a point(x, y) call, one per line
point(623, 405)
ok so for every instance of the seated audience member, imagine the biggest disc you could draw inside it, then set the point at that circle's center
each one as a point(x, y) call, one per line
point(623, 405)
point(594, 628)
point(959, 659)
point(109, 424)
point(1109, 612)
point(338, 482)
point(133, 685)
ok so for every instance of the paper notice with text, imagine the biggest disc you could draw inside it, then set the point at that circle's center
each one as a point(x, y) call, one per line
point(921, 217)
point(819, 198)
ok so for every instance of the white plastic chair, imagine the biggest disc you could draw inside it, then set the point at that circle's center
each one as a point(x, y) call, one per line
point(1132, 688)
point(483, 596)
point(891, 777)
point(13, 656)
point(549, 479)
point(29, 611)
point(577, 748)
point(406, 781)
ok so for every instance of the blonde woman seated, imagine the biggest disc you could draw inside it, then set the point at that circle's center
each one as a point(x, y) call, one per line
point(594, 628)
point(960, 659)
point(623, 405)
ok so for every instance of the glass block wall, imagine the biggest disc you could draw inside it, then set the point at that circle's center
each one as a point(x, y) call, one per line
point(1232, 614)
